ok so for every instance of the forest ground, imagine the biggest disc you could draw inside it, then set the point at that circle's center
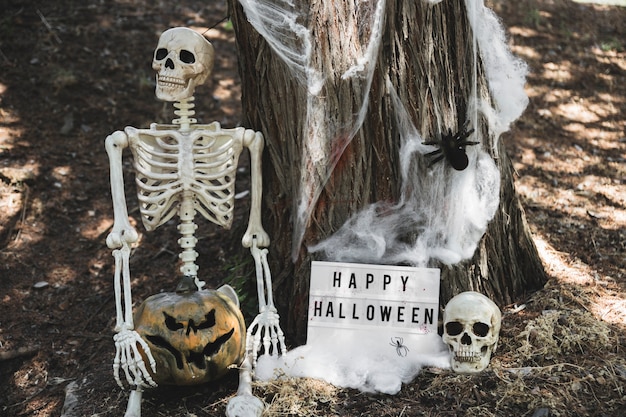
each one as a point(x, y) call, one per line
point(72, 72)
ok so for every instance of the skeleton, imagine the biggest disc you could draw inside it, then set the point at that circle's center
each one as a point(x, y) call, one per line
point(471, 325)
point(186, 168)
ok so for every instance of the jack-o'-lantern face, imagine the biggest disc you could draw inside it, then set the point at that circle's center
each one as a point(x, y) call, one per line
point(194, 336)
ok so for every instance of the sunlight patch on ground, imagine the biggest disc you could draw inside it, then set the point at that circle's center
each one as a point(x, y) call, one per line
point(621, 3)
point(584, 112)
point(524, 32)
point(591, 199)
point(527, 52)
point(595, 294)
point(60, 275)
point(8, 122)
point(558, 73)
point(93, 230)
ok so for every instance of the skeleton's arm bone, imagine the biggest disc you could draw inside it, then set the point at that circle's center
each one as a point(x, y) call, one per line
point(254, 142)
point(122, 229)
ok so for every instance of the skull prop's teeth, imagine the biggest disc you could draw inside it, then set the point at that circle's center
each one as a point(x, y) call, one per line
point(466, 355)
point(171, 81)
point(471, 358)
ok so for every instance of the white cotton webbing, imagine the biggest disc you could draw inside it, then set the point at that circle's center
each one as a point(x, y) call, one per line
point(325, 134)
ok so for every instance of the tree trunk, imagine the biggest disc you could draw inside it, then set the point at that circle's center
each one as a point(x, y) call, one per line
point(427, 54)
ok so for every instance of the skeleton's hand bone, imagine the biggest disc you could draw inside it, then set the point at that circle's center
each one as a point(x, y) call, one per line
point(266, 325)
point(127, 357)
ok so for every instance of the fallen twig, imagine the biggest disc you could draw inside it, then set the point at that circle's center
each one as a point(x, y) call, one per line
point(49, 27)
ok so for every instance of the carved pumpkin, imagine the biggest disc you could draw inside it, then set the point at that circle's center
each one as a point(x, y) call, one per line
point(194, 336)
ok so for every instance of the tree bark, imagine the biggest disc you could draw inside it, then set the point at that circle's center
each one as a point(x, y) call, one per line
point(427, 54)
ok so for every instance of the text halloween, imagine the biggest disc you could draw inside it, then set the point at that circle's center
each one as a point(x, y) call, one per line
point(399, 314)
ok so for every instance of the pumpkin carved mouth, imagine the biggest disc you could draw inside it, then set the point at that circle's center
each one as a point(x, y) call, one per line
point(198, 358)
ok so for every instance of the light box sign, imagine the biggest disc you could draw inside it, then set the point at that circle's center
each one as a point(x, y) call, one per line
point(375, 306)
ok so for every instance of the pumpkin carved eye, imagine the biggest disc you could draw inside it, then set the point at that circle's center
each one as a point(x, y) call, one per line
point(171, 323)
point(209, 321)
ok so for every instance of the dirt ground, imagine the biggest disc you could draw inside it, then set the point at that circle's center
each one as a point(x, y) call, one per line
point(72, 72)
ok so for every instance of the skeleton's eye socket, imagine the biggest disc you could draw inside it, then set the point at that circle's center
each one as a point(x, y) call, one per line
point(187, 57)
point(454, 328)
point(480, 329)
point(160, 54)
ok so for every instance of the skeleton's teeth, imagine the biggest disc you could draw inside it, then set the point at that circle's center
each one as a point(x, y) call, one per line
point(171, 81)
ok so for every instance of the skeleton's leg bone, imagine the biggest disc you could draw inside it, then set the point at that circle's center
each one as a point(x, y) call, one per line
point(133, 409)
point(245, 404)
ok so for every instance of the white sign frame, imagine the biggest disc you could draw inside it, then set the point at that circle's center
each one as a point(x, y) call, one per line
point(384, 308)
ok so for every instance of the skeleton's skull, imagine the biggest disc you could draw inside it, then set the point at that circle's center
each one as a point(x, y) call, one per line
point(471, 327)
point(183, 59)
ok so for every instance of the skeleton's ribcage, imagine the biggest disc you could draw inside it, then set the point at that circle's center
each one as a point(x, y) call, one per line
point(170, 165)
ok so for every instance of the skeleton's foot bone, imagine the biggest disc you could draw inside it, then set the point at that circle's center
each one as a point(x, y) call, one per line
point(245, 404)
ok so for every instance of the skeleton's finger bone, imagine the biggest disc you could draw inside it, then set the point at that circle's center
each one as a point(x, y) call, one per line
point(141, 371)
point(148, 352)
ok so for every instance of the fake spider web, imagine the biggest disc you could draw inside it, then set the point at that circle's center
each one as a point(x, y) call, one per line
point(354, 43)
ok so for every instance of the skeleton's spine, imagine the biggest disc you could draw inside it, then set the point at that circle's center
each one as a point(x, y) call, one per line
point(187, 229)
point(184, 111)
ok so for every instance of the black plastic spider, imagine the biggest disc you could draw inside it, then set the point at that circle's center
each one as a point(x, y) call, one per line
point(452, 147)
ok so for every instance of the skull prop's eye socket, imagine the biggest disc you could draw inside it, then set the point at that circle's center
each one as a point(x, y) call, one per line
point(160, 54)
point(480, 329)
point(454, 328)
point(187, 57)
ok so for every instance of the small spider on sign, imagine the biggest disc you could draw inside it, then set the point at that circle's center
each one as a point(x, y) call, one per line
point(452, 147)
point(398, 343)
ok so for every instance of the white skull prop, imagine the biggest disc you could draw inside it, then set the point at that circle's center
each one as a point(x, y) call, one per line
point(183, 59)
point(471, 325)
